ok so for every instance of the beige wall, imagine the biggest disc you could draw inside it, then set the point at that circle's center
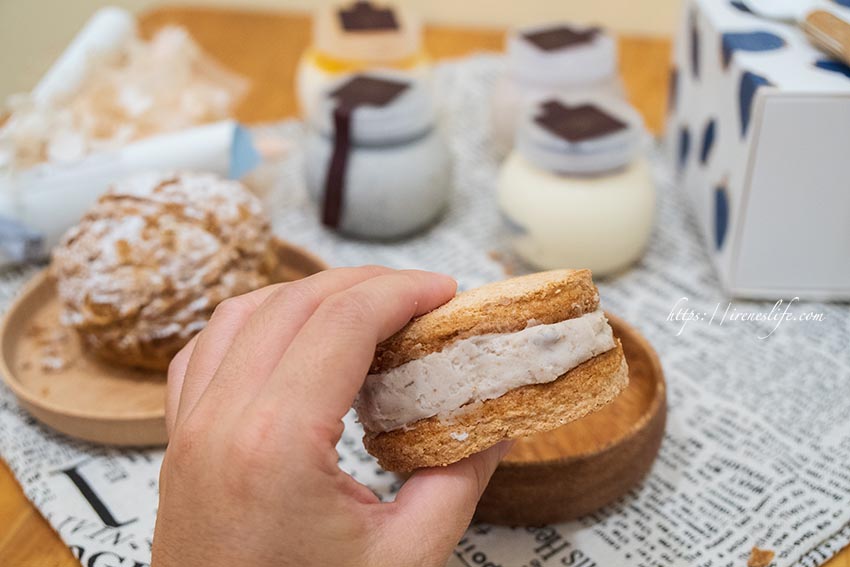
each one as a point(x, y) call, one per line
point(33, 32)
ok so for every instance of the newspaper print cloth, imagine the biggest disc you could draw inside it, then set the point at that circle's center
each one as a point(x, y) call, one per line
point(757, 448)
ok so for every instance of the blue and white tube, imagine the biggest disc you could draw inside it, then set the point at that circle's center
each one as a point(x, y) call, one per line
point(39, 204)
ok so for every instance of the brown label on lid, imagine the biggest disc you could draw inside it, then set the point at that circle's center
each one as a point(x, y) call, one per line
point(365, 16)
point(552, 39)
point(577, 123)
point(369, 91)
point(359, 91)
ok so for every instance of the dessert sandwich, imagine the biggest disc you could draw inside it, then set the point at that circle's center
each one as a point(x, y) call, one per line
point(502, 361)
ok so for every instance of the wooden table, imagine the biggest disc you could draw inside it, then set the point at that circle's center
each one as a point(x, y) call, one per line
point(265, 47)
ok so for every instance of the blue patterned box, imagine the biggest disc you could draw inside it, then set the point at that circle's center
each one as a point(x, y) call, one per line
point(759, 132)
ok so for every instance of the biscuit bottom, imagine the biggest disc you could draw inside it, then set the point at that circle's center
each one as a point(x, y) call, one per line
point(520, 412)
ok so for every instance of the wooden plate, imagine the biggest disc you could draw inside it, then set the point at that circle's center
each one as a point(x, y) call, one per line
point(88, 398)
point(578, 468)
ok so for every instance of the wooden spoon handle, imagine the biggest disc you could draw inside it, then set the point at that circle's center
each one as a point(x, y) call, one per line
point(829, 32)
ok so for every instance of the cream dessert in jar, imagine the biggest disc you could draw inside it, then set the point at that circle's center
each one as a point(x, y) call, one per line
point(376, 162)
point(577, 190)
point(548, 60)
point(356, 37)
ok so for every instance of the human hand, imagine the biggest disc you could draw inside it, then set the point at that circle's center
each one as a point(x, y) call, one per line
point(254, 411)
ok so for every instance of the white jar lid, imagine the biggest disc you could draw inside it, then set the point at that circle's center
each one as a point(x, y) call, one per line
point(561, 55)
point(366, 31)
point(385, 107)
point(582, 136)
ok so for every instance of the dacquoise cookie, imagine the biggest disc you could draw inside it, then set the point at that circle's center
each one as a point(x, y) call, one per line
point(502, 361)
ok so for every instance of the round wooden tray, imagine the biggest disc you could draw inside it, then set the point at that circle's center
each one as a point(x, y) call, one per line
point(563, 474)
point(88, 398)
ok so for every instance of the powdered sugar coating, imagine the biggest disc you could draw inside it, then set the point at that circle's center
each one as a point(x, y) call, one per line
point(143, 270)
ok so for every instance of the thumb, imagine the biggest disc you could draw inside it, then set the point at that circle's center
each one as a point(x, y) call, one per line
point(436, 504)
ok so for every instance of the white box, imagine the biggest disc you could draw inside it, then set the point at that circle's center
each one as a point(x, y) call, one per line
point(759, 133)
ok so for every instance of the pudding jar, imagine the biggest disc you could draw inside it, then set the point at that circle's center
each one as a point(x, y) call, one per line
point(375, 160)
point(546, 61)
point(577, 191)
point(354, 38)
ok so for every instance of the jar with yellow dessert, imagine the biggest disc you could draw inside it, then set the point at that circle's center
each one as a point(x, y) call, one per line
point(577, 190)
point(357, 37)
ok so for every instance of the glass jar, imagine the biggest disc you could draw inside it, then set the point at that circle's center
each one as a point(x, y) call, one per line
point(577, 191)
point(550, 60)
point(375, 160)
point(355, 38)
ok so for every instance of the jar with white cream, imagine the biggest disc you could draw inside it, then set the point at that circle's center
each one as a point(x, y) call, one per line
point(577, 191)
point(376, 162)
point(550, 60)
point(357, 37)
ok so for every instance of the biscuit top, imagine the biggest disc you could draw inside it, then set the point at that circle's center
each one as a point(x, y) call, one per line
point(500, 307)
point(157, 252)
